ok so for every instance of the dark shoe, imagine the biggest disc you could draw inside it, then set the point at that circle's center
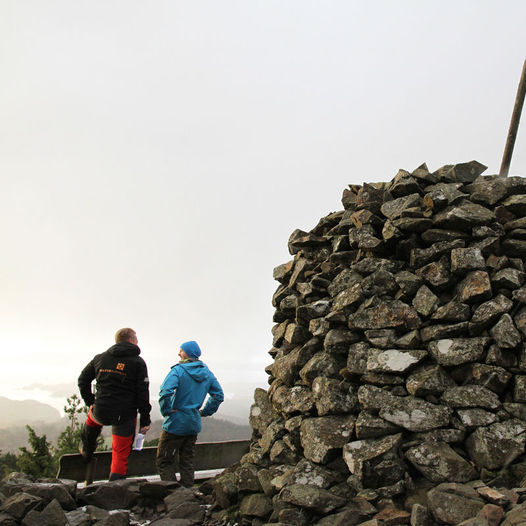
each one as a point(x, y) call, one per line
point(116, 476)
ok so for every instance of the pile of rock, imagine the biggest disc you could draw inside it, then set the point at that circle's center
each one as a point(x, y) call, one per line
point(398, 356)
point(137, 502)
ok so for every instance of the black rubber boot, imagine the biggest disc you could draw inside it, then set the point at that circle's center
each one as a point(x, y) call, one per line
point(116, 476)
point(88, 441)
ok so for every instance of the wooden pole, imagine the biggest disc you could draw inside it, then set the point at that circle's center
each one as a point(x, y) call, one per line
point(514, 125)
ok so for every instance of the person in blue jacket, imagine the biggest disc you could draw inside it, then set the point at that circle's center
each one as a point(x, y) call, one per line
point(182, 394)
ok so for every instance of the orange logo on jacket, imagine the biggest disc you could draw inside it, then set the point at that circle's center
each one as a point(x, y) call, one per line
point(120, 366)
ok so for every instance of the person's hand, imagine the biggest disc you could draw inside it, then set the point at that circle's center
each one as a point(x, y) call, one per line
point(144, 430)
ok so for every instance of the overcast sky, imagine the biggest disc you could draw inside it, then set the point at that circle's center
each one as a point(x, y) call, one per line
point(156, 156)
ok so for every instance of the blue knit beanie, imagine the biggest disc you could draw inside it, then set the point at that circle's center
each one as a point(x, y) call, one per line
point(191, 349)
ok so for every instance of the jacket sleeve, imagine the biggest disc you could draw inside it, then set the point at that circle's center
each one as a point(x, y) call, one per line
point(215, 398)
point(84, 382)
point(143, 394)
point(167, 392)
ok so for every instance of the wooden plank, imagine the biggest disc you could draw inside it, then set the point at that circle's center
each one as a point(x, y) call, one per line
point(514, 125)
point(208, 456)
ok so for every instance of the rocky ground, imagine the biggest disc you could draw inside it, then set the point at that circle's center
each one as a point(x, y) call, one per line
point(137, 502)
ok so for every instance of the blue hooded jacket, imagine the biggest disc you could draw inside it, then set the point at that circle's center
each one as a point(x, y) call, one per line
point(182, 394)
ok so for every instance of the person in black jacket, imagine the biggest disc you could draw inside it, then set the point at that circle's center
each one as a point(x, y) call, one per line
point(122, 389)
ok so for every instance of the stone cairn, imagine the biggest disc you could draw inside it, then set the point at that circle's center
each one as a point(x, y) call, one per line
point(398, 384)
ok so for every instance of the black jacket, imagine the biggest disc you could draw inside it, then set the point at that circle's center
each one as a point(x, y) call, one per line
point(122, 385)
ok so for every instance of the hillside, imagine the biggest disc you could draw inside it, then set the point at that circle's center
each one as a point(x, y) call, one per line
point(214, 430)
point(20, 412)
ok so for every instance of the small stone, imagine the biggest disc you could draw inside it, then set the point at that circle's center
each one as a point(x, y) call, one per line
point(467, 259)
point(322, 435)
point(393, 360)
point(385, 315)
point(311, 497)
point(452, 503)
point(497, 445)
point(475, 287)
point(509, 278)
point(371, 426)
point(439, 332)
point(470, 396)
point(438, 462)
point(430, 379)
point(456, 351)
point(505, 333)
point(452, 312)
point(464, 216)
point(435, 274)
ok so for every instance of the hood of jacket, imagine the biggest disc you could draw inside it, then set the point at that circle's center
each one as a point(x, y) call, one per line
point(124, 349)
point(197, 370)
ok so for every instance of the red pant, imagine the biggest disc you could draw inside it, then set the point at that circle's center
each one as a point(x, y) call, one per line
point(121, 444)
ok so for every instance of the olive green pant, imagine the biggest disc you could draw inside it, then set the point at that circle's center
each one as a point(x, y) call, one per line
point(173, 451)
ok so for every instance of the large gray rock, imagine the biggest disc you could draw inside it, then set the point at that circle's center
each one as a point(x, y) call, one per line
point(297, 399)
point(425, 302)
point(51, 515)
point(451, 503)
point(505, 333)
point(225, 490)
point(20, 504)
point(494, 378)
point(337, 341)
point(497, 445)
point(49, 492)
point(385, 315)
point(311, 497)
point(273, 432)
point(358, 357)
point(323, 436)
point(476, 287)
point(415, 414)
point(438, 462)
point(452, 312)
point(467, 259)
point(333, 396)
point(321, 364)
point(306, 472)
point(373, 398)
point(393, 360)
point(287, 367)
point(457, 351)
point(356, 511)
point(428, 380)
point(371, 426)
point(470, 396)
point(376, 461)
point(489, 312)
point(182, 504)
point(395, 208)
point(471, 418)
point(256, 505)
point(247, 478)
point(463, 216)
point(516, 516)
point(121, 494)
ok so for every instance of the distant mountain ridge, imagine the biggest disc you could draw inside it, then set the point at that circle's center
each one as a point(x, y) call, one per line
point(21, 412)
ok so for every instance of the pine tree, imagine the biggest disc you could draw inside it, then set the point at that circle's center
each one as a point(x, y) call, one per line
point(40, 461)
point(68, 441)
